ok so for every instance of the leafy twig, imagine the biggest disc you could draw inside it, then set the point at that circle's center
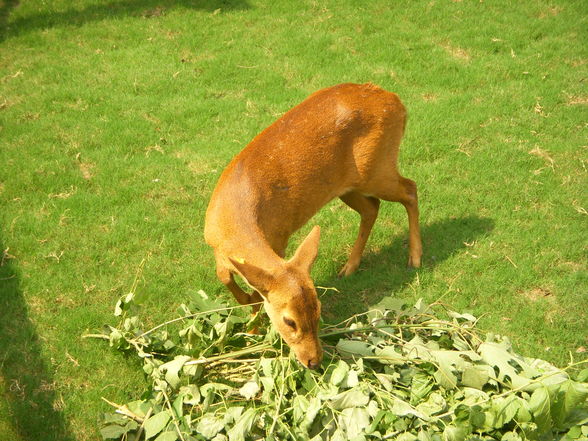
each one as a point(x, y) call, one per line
point(142, 427)
point(196, 314)
point(100, 336)
point(279, 403)
point(231, 355)
point(124, 410)
point(173, 414)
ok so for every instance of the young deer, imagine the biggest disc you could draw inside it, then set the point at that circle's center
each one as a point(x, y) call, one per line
point(340, 142)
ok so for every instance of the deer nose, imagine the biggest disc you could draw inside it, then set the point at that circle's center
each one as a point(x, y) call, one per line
point(312, 364)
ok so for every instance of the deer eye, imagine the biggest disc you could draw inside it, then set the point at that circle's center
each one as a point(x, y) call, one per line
point(290, 322)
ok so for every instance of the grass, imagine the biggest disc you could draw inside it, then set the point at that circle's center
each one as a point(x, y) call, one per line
point(116, 119)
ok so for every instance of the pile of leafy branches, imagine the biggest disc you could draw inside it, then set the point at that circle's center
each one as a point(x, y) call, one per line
point(402, 374)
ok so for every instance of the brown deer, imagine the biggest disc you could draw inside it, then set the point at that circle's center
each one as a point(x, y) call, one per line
point(340, 142)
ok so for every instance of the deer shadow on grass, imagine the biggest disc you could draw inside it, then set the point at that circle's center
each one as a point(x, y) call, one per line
point(75, 16)
point(28, 386)
point(381, 274)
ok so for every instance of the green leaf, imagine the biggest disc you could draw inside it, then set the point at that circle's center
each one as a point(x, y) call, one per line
point(388, 355)
point(465, 316)
point(112, 431)
point(357, 396)
point(339, 435)
point(204, 389)
point(568, 397)
point(540, 406)
point(351, 380)
point(191, 394)
point(406, 436)
point(373, 408)
point(450, 362)
point(499, 356)
point(477, 417)
point(476, 376)
point(339, 373)
point(299, 407)
point(354, 348)
point(167, 436)
point(434, 404)
point(446, 378)
point(582, 376)
point(201, 302)
point(386, 381)
point(472, 396)
point(304, 412)
point(268, 384)
point(156, 423)
point(421, 386)
point(314, 406)
point(460, 343)
point(524, 413)
point(243, 426)
point(453, 433)
point(505, 410)
point(379, 416)
point(511, 436)
point(446, 361)
point(209, 426)
point(575, 432)
point(267, 366)
point(118, 310)
point(354, 420)
point(392, 305)
point(416, 349)
point(424, 435)
point(139, 407)
point(402, 408)
point(172, 368)
point(193, 370)
point(232, 414)
point(249, 390)
point(177, 407)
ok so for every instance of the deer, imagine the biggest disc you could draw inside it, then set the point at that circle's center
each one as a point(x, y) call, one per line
point(340, 142)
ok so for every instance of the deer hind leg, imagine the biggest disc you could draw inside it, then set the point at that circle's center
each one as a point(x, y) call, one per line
point(367, 207)
point(227, 278)
point(405, 191)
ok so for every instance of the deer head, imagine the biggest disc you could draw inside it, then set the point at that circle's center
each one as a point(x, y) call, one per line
point(290, 299)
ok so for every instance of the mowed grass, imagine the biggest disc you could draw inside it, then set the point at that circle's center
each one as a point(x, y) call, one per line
point(117, 118)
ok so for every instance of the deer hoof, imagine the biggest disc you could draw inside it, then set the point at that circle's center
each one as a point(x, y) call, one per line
point(347, 270)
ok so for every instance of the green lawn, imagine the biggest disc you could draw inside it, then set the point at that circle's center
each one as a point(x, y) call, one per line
point(117, 117)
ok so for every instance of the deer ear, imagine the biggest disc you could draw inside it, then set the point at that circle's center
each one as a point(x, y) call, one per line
point(257, 278)
point(306, 253)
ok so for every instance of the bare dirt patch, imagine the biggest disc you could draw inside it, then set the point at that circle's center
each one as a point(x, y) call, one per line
point(538, 293)
point(199, 167)
point(575, 100)
point(87, 170)
point(456, 52)
point(551, 11)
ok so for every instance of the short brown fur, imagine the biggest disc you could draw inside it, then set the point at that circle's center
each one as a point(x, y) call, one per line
point(341, 142)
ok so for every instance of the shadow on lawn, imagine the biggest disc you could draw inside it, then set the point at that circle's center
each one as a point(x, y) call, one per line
point(381, 274)
point(75, 16)
point(6, 6)
point(29, 388)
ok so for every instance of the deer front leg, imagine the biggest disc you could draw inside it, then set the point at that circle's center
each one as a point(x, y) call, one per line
point(227, 278)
